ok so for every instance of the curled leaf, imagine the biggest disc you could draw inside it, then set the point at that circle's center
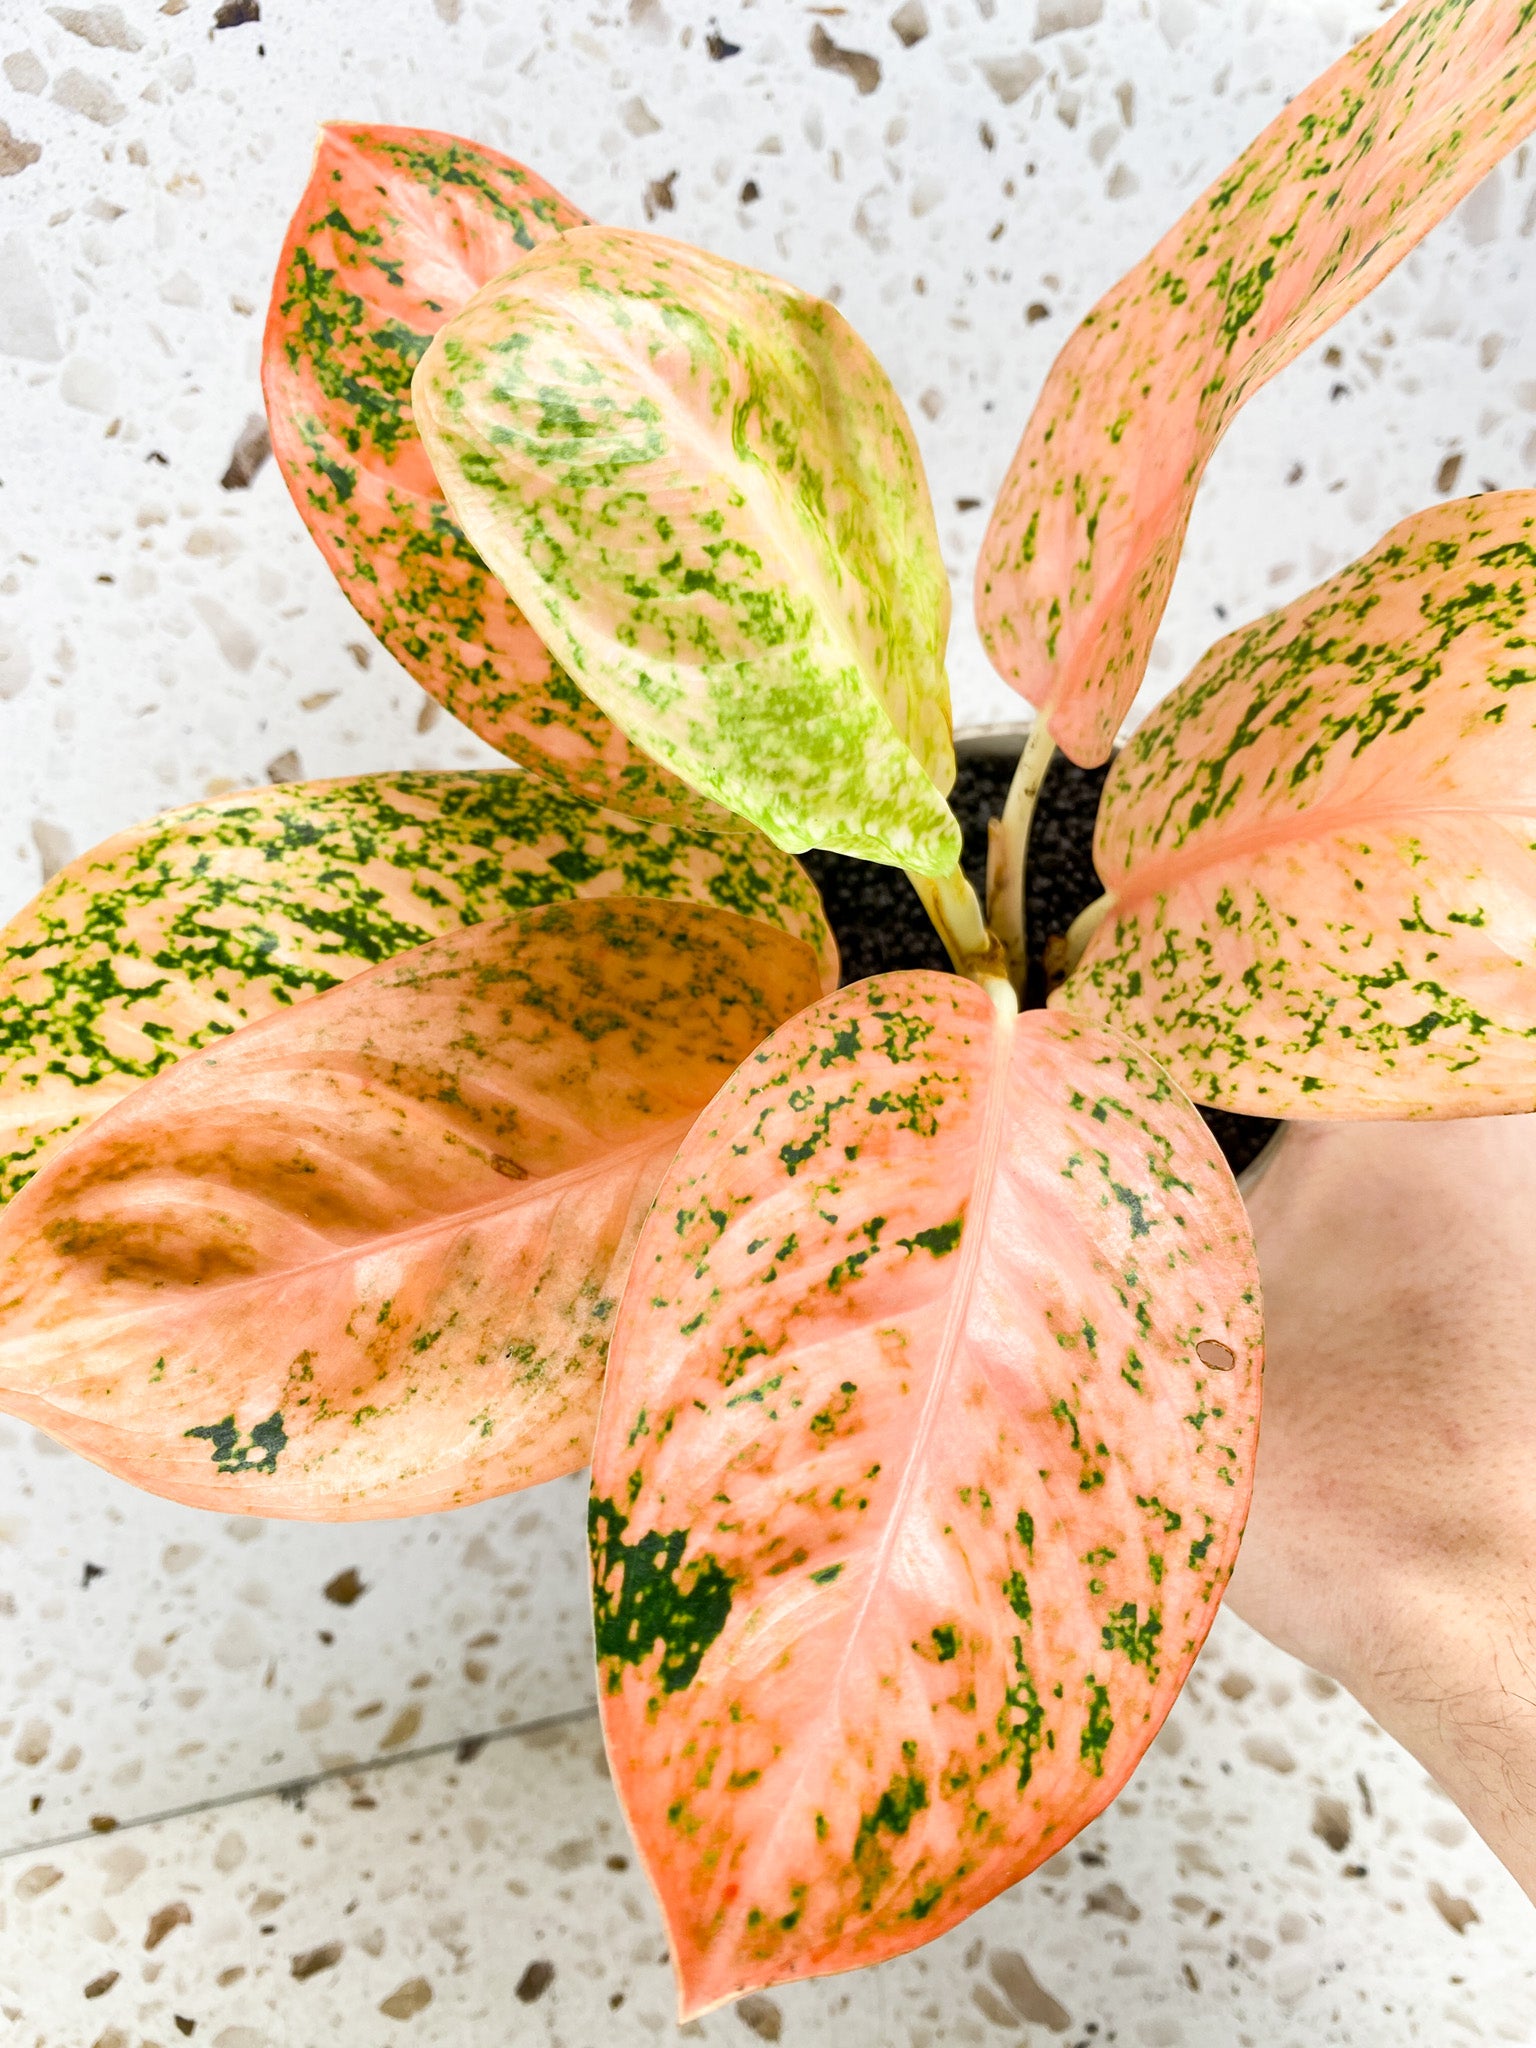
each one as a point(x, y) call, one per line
point(700, 487)
point(1076, 566)
point(1321, 849)
point(397, 227)
point(362, 1259)
point(922, 1464)
point(168, 937)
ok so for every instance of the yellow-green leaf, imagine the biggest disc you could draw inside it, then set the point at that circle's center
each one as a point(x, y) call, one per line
point(702, 490)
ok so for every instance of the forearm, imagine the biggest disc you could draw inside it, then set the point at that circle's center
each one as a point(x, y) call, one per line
point(1454, 1681)
point(1392, 1538)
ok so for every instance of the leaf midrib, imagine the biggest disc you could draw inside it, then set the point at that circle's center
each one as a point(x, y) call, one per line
point(1207, 849)
point(972, 1246)
point(195, 1298)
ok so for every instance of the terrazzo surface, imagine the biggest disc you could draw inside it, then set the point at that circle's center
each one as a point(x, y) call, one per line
point(964, 178)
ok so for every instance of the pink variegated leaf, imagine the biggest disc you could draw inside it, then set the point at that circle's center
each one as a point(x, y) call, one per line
point(1076, 566)
point(397, 227)
point(922, 1464)
point(169, 936)
point(363, 1258)
point(1321, 849)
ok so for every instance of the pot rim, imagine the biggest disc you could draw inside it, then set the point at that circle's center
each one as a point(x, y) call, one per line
point(999, 742)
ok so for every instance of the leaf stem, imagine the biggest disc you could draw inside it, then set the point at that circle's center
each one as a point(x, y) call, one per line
point(1084, 925)
point(951, 902)
point(1007, 845)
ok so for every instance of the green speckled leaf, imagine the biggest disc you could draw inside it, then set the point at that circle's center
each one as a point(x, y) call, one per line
point(396, 229)
point(702, 490)
point(172, 935)
point(922, 1464)
point(363, 1258)
point(1322, 846)
point(1077, 562)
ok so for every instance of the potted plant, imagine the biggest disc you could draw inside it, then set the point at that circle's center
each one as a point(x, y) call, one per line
point(374, 1147)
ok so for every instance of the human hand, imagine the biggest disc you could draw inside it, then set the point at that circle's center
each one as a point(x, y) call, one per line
point(1392, 1539)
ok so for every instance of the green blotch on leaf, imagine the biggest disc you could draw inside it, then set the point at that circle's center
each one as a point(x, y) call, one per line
point(259, 1452)
point(1098, 1729)
point(941, 1239)
point(642, 1595)
point(898, 1805)
point(1021, 1719)
point(1135, 1639)
point(1016, 1593)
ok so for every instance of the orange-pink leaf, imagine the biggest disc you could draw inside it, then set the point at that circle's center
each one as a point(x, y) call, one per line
point(362, 1259)
point(921, 1468)
point(171, 935)
point(397, 227)
point(1322, 847)
point(1077, 562)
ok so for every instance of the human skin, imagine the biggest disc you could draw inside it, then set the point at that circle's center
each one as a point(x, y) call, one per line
point(1392, 1539)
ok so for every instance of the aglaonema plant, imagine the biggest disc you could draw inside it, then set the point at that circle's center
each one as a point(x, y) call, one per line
point(353, 1131)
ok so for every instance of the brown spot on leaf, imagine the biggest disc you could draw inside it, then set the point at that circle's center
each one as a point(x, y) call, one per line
point(858, 65)
point(161, 1923)
point(1218, 1356)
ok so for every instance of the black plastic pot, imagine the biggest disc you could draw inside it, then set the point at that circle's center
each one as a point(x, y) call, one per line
point(881, 926)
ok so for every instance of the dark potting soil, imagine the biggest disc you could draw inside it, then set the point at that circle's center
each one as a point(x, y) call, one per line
point(880, 926)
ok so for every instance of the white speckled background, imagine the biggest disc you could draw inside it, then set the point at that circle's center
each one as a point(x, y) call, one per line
point(1278, 1873)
